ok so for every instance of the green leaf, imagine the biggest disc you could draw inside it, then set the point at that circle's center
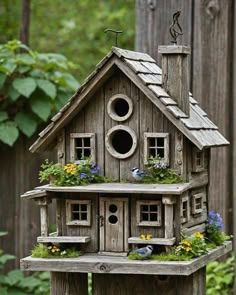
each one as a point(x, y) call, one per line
point(71, 81)
point(8, 132)
point(3, 233)
point(4, 258)
point(13, 277)
point(26, 123)
point(3, 291)
point(26, 59)
point(41, 106)
point(14, 95)
point(25, 86)
point(3, 78)
point(3, 117)
point(62, 99)
point(48, 87)
point(23, 69)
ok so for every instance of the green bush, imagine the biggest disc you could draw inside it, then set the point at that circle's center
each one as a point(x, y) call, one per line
point(16, 283)
point(220, 277)
point(32, 87)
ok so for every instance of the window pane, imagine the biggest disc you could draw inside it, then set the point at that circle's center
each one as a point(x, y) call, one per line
point(161, 153)
point(79, 154)
point(160, 141)
point(153, 208)
point(75, 216)
point(152, 152)
point(153, 217)
point(75, 207)
point(86, 141)
point(78, 142)
point(144, 208)
point(152, 141)
point(144, 217)
point(83, 207)
point(83, 216)
point(184, 210)
point(87, 152)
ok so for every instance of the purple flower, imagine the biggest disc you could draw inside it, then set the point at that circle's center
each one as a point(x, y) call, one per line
point(215, 220)
point(95, 169)
point(83, 175)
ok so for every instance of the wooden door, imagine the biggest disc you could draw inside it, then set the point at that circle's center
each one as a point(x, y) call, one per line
point(114, 225)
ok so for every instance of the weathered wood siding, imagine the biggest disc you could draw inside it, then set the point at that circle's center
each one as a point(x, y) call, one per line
point(93, 118)
point(19, 173)
point(74, 230)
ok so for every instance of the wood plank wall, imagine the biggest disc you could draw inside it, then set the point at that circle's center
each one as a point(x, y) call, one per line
point(19, 173)
point(209, 27)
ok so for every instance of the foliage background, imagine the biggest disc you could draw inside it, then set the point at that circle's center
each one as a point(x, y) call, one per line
point(74, 28)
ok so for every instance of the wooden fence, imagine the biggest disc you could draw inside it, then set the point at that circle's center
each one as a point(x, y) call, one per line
point(19, 173)
point(209, 27)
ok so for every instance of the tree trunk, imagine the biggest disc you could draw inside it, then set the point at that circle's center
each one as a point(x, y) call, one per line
point(25, 21)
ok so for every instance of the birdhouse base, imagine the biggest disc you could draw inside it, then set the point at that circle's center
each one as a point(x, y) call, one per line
point(121, 276)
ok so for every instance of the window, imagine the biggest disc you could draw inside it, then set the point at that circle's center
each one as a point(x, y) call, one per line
point(121, 141)
point(156, 144)
point(199, 160)
point(149, 213)
point(184, 209)
point(120, 107)
point(78, 212)
point(197, 203)
point(82, 145)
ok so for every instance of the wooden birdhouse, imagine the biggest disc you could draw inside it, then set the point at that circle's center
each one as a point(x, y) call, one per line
point(127, 111)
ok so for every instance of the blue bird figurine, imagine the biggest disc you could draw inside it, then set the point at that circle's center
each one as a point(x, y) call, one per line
point(144, 252)
point(138, 174)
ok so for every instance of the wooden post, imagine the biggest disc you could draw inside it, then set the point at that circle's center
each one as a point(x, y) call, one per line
point(175, 74)
point(69, 283)
point(43, 203)
point(168, 201)
point(107, 284)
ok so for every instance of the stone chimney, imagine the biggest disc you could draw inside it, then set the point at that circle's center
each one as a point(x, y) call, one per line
point(175, 74)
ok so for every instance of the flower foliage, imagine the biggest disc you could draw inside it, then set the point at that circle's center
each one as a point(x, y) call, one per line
point(32, 87)
point(82, 172)
point(54, 250)
point(160, 172)
point(214, 229)
point(192, 246)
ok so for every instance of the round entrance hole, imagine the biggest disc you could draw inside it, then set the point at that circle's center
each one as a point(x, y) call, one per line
point(113, 208)
point(113, 219)
point(120, 107)
point(121, 141)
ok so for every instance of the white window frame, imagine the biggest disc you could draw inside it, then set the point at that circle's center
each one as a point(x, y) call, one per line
point(70, 221)
point(165, 136)
point(149, 203)
point(183, 218)
point(74, 136)
point(195, 197)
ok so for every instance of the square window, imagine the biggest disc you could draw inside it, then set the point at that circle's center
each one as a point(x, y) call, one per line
point(156, 145)
point(148, 213)
point(197, 203)
point(82, 145)
point(78, 212)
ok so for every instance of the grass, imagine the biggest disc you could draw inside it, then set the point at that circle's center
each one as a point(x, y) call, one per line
point(160, 257)
point(41, 251)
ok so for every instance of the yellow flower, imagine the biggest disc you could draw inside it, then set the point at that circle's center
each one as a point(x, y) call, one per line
point(142, 236)
point(188, 249)
point(53, 250)
point(148, 237)
point(50, 247)
point(187, 243)
point(198, 235)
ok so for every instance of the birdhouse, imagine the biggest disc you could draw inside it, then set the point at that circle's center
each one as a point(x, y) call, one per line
point(128, 111)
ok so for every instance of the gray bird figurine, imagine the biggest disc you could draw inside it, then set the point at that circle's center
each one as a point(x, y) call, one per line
point(144, 252)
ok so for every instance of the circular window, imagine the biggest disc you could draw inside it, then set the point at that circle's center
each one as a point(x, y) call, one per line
point(113, 219)
point(121, 142)
point(113, 208)
point(120, 107)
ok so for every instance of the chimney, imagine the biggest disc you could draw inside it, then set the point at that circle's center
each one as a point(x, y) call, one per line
point(175, 74)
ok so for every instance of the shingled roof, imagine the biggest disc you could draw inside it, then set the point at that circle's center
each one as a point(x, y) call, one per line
point(147, 76)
